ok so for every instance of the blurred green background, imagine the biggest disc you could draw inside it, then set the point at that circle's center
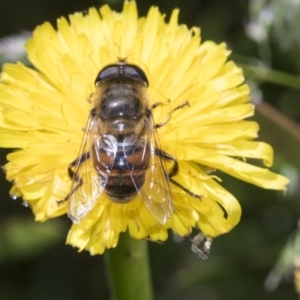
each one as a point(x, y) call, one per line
point(255, 260)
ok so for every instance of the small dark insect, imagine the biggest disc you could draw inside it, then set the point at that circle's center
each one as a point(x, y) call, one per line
point(197, 240)
point(120, 153)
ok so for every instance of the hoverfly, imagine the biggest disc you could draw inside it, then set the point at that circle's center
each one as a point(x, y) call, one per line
point(120, 153)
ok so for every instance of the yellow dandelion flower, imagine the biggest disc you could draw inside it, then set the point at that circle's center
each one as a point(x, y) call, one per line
point(44, 110)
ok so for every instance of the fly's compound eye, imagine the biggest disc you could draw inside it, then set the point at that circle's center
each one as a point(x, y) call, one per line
point(108, 72)
point(136, 72)
point(121, 71)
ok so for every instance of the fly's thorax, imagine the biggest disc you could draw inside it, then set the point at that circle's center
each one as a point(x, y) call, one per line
point(122, 105)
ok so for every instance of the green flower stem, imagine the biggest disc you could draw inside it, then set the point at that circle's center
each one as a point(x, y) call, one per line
point(128, 270)
point(269, 75)
point(254, 69)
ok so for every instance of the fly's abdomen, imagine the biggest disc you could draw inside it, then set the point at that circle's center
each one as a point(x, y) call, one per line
point(128, 172)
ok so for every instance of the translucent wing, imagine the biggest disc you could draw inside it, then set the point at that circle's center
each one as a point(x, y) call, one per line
point(91, 170)
point(155, 189)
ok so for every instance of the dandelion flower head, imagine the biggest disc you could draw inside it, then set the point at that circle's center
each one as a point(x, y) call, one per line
point(44, 110)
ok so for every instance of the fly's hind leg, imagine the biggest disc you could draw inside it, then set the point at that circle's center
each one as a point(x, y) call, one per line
point(174, 171)
point(78, 161)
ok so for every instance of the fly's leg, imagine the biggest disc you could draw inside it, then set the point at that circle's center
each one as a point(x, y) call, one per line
point(74, 176)
point(174, 171)
point(186, 103)
point(166, 156)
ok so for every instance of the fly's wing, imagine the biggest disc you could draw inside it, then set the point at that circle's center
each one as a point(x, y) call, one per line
point(149, 175)
point(90, 172)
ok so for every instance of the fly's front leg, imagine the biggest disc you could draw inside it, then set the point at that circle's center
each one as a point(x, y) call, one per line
point(73, 176)
point(174, 171)
point(186, 103)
